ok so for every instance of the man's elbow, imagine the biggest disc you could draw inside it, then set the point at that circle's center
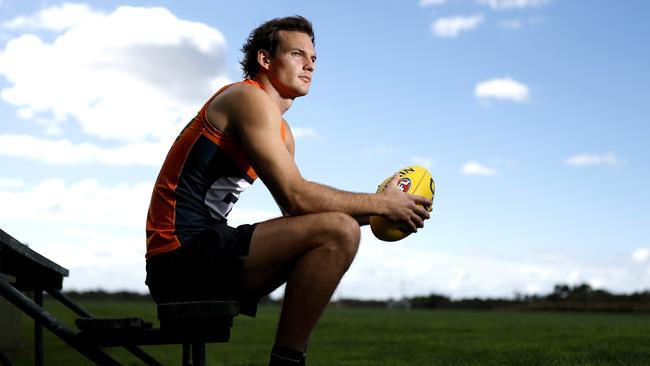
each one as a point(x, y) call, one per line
point(294, 209)
point(296, 204)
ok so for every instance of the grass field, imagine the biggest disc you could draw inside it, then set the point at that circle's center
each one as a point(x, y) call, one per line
point(396, 337)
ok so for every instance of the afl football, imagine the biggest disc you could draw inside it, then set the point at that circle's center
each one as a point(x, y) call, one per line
point(414, 180)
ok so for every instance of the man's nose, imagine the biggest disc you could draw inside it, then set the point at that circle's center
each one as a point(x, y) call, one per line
point(309, 66)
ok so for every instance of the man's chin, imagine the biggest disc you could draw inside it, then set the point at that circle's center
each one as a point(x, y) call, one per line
point(300, 93)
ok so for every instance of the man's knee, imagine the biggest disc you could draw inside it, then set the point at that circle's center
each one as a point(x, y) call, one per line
point(344, 233)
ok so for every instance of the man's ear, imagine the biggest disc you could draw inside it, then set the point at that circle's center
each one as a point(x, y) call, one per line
point(264, 59)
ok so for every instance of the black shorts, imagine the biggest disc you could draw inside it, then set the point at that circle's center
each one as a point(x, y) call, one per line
point(208, 266)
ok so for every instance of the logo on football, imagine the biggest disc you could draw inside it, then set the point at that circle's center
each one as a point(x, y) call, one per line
point(404, 184)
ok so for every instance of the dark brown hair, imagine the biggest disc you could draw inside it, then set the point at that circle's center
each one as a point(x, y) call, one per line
point(265, 37)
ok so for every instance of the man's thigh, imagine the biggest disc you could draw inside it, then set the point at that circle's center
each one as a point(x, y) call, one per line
point(276, 245)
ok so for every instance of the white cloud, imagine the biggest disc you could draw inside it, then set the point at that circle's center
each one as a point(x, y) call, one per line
point(11, 183)
point(450, 27)
point(641, 255)
point(56, 18)
point(25, 113)
point(66, 153)
point(305, 133)
point(136, 74)
point(512, 24)
point(86, 202)
point(474, 168)
point(512, 4)
point(239, 216)
point(98, 259)
point(580, 160)
point(503, 89)
point(424, 3)
point(383, 270)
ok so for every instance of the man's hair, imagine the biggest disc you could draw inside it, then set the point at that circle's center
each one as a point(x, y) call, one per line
point(266, 37)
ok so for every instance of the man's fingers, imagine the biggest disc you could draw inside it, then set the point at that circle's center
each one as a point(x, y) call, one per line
point(423, 205)
point(412, 226)
point(421, 200)
point(393, 180)
point(422, 212)
point(414, 223)
point(419, 222)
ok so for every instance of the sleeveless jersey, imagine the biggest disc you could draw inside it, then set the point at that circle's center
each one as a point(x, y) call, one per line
point(201, 179)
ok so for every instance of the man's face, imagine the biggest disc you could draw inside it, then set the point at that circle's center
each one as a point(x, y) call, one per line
point(292, 66)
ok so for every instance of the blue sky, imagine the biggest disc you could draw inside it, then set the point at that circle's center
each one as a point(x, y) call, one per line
point(532, 115)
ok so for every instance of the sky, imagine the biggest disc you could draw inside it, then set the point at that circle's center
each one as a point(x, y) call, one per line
point(533, 117)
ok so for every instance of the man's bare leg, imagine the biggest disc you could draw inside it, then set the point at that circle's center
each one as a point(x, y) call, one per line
point(312, 253)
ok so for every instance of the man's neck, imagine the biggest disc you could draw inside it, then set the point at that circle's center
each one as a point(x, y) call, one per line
point(282, 103)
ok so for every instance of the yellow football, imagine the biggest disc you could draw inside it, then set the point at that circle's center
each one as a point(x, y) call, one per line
point(414, 180)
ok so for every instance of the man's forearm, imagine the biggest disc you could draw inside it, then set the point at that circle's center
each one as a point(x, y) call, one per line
point(315, 197)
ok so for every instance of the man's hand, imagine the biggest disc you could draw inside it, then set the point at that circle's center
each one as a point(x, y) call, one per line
point(404, 207)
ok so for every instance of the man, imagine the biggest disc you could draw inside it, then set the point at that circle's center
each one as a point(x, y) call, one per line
point(239, 135)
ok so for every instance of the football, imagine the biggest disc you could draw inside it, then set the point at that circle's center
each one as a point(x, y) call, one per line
point(414, 180)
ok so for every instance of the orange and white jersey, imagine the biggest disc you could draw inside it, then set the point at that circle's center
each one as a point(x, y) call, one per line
point(200, 181)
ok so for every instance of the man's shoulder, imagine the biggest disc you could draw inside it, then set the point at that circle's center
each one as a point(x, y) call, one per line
point(243, 101)
point(244, 91)
point(242, 95)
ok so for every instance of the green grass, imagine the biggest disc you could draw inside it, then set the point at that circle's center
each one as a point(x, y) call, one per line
point(396, 337)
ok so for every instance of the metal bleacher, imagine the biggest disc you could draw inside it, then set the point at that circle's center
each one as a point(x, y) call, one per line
point(192, 324)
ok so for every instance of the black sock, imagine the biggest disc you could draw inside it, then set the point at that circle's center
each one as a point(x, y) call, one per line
point(282, 356)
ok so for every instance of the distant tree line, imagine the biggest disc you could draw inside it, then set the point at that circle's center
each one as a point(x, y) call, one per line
point(105, 295)
point(563, 298)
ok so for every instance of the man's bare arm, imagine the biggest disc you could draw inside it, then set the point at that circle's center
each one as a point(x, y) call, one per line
point(290, 143)
point(257, 123)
